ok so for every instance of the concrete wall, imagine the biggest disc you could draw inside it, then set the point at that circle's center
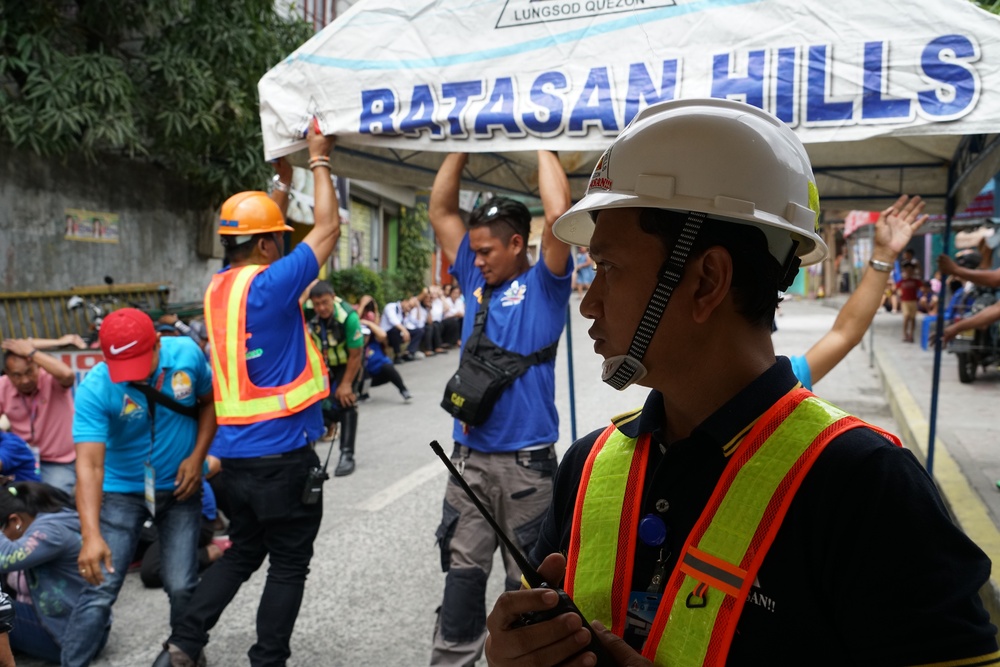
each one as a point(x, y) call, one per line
point(159, 223)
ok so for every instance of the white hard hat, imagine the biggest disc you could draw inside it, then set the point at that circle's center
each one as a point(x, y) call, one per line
point(728, 160)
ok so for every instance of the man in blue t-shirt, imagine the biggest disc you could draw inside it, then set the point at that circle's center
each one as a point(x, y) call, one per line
point(510, 458)
point(137, 458)
point(266, 452)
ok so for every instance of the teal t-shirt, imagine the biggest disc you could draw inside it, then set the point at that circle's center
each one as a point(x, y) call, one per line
point(118, 416)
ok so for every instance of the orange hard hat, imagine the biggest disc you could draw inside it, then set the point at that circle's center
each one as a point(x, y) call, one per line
point(251, 213)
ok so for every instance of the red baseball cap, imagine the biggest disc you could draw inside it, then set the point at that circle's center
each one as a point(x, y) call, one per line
point(128, 340)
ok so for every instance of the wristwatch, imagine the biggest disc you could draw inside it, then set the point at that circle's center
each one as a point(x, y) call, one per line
point(278, 185)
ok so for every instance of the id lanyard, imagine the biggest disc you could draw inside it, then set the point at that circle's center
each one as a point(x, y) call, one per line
point(149, 472)
point(32, 415)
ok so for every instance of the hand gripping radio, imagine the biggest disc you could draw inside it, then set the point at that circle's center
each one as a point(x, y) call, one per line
point(529, 573)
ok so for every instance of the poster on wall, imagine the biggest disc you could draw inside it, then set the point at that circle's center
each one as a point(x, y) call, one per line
point(92, 226)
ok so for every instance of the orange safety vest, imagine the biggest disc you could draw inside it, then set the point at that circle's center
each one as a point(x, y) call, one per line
point(703, 599)
point(237, 399)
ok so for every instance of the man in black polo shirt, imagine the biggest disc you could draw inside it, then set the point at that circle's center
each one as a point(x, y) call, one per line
point(736, 519)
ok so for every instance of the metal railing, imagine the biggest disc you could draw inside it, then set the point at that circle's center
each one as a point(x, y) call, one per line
point(47, 314)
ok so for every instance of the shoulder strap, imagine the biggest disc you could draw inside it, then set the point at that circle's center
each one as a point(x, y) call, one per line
point(479, 324)
point(166, 401)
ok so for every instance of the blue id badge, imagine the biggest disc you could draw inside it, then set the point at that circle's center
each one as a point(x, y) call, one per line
point(149, 474)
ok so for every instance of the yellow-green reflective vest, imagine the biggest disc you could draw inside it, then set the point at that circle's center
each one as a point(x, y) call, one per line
point(702, 601)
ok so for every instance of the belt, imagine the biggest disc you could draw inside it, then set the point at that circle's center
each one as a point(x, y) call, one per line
point(289, 454)
point(543, 454)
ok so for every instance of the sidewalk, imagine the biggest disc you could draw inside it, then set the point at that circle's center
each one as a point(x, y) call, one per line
point(966, 462)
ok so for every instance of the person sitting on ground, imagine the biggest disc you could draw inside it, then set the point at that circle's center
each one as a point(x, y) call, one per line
point(433, 302)
point(379, 368)
point(210, 549)
point(36, 395)
point(454, 314)
point(39, 549)
point(397, 333)
point(17, 461)
point(927, 299)
point(415, 321)
point(893, 230)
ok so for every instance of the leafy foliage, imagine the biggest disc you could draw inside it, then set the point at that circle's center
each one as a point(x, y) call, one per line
point(174, 81)
point(414, 249)
point(989, 5)
point(353, 283)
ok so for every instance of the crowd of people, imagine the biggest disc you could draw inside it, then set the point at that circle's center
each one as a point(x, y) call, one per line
point(192, 430)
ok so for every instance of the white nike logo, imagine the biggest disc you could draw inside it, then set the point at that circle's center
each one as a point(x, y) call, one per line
point(119, 350)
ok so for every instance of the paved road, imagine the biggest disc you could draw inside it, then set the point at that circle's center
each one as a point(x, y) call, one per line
point(376, 577)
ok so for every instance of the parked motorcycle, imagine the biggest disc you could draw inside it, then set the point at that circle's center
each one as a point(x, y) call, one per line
point(975, 348)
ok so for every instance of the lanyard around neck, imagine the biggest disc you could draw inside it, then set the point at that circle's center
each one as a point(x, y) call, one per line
point(32, 413)
point(151, 406)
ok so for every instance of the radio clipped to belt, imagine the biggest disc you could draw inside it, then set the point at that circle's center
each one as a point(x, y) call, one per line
point(486, 370)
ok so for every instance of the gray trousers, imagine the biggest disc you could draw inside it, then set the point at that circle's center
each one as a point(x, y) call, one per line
point(517, 488)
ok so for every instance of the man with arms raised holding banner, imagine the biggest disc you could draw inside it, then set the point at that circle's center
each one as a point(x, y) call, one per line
point(510, 458)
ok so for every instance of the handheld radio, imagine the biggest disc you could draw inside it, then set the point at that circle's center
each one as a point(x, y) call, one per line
point(530, 574)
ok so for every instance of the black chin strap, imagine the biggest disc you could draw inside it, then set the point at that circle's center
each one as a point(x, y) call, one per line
point(670, 276)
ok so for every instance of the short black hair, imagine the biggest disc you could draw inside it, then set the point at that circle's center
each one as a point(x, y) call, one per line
point(235, 251)
point(7, 355)
point(504, 217)
point(31, 498)
point(756, 273)
point(322, 288)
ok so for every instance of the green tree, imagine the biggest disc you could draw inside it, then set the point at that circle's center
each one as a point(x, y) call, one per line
point(410, 276)
point(172, 81)
point(353, 283)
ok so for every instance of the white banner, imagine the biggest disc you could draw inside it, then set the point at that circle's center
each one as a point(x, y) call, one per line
point(497, 76)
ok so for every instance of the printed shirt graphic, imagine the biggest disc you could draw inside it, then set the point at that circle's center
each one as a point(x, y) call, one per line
point(277, 343)
point(526, 314)
point(118, 416)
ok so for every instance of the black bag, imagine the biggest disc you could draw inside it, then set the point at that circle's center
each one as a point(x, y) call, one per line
point(485, 371)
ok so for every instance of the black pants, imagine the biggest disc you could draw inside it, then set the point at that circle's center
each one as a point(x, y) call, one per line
point(388, 373)
point(433, 333)
point(452, 330)
point(267, 519)
point(149, 572)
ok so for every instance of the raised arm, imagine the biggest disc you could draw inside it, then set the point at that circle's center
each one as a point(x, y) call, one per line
point(322, 238)
point(282, 184)
point(984, 277)
point(443, 209)
point(983, 318)
point(553, 186)
point(893, 231)
point(23, 348)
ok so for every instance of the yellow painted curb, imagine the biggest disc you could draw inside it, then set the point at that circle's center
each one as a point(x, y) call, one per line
point(965, 505)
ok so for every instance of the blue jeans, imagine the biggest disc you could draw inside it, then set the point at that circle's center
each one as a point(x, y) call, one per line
point(267, 518)
point(30, 637)
point(122, 516)
point(60, 475)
